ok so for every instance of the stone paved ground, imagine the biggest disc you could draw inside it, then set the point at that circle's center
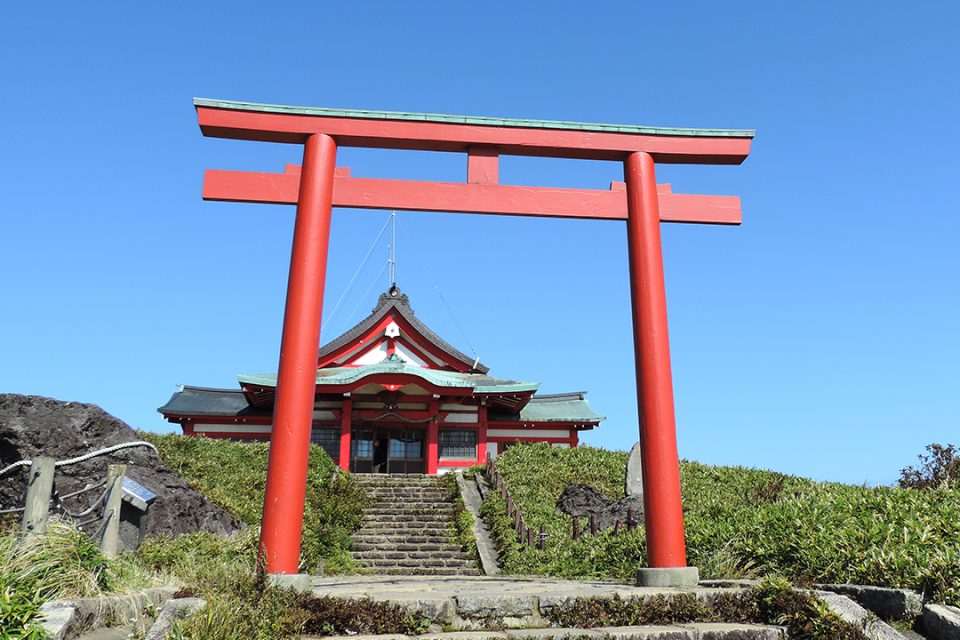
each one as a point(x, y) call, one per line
point(402, 587)
point(469, 602)
point(515, 608)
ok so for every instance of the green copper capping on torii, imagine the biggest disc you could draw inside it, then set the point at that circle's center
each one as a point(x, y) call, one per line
point(441, 118)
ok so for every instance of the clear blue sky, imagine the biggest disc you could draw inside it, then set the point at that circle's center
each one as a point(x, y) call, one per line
point(820, 338)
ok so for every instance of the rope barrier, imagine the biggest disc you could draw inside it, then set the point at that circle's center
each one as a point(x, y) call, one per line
point(83, 458)
point(19, 463)
point(103, 452)
point(90, 509)
point(88, 487)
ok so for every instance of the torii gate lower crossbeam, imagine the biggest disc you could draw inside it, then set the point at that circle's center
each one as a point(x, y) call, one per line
point(317, 186)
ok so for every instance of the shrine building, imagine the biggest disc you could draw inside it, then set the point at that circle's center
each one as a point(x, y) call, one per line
point(394, 397)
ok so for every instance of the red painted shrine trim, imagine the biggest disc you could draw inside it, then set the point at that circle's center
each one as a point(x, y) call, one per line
point(456, 197)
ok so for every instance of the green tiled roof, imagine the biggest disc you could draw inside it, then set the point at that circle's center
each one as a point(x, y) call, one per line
point(575, 409)
point(481, 383)
point(477, 120)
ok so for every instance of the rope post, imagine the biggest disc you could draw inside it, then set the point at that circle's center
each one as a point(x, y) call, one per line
point(110, 528)
point(543, 538)
point(530, 536)
point(631, 520)
point(39, 489)
point(576, 528)
point(593, 524)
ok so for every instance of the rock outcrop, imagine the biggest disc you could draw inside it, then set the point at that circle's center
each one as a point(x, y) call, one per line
point(582, 501)
point(34, 426)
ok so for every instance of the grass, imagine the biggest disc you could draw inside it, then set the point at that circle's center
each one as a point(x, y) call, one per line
point(63, 562)
point(741, 523)
point(233, 475)
point(66, 563)
point(246, 607)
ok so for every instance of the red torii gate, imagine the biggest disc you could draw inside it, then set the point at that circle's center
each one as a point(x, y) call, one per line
point(319, 185)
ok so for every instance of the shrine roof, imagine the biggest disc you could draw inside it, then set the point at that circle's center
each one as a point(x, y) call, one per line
point(206, 401)
point(561, 407)
point(471, 120)
point(335, 376)
point(203, 401)
point(400, 302)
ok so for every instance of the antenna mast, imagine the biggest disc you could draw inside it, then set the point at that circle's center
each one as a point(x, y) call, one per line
point(392, 260)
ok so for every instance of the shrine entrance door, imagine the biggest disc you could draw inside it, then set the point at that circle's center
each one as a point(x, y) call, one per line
point(387, 450)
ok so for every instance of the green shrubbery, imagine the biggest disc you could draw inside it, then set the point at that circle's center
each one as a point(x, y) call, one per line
point(741, 523)
point(939, 469)
point(19, 611)
point(244, 606)
point(234, 474)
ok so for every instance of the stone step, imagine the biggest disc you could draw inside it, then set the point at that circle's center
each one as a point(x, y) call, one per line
point(418, 510)
point(379, 539)
point(377, 531)
point(399, 522)
point(410, 563)
point(408, 517)
point(412, 499)
point(692, 631)
point(400, 529)
point(374, 555)
point(401, 535)
point(401, 507)
point(405, 488)
point(406, 528)
point(430, 515)
point(429, 483)
point(429, 571)
point(409, 488)
point(390, 519)
point(406, 491)
point(404, 546)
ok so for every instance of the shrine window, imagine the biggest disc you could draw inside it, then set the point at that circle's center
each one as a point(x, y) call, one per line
point(458, 443)
point(328, 439)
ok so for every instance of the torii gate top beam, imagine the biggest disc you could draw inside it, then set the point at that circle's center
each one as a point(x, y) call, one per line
point(433, 132)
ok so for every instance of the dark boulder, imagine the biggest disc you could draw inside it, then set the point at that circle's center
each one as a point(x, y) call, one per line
point(37, 426)
point(583, 501)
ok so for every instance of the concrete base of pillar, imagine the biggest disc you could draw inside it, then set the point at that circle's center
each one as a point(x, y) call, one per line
point(298, 581)
point(668, 577)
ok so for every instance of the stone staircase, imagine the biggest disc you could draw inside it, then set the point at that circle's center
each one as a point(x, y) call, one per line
point(406, 529)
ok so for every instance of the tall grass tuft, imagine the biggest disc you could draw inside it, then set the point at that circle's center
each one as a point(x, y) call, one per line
point(63, 562)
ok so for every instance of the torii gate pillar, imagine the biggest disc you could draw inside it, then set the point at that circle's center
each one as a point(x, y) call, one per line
point(663, 509)
point(296, 379)
point(317, 185)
